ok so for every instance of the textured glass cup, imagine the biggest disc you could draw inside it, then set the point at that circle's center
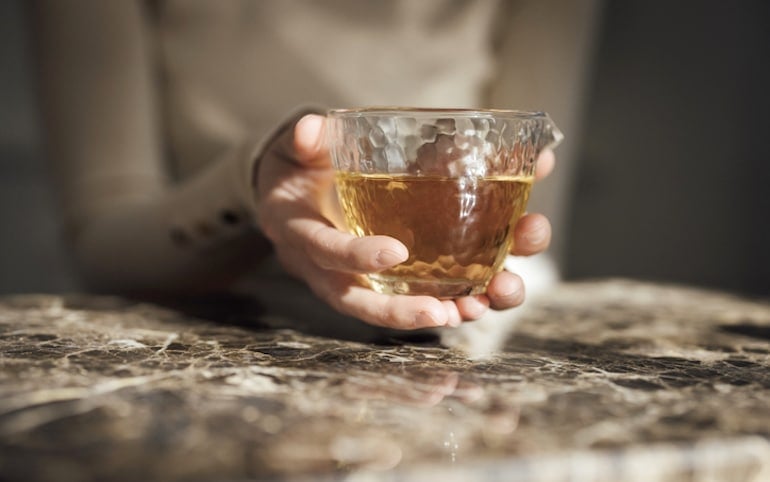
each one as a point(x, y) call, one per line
point(449, 184)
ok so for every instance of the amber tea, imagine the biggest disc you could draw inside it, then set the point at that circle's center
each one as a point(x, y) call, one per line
point(448, 183)
point(458, 230)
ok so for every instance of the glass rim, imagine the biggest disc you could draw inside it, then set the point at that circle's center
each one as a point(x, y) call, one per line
point(433, 112)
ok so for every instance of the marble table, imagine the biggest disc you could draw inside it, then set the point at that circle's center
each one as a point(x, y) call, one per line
point(607, 380)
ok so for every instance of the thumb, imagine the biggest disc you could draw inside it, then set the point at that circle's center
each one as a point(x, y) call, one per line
point(310, 141)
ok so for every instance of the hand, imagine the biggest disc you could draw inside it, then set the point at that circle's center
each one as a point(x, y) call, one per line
point(295, 186)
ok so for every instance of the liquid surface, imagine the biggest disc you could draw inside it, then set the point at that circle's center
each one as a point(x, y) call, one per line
point(457, 230)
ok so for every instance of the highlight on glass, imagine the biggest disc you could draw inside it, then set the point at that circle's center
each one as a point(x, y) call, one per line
point(448, 183)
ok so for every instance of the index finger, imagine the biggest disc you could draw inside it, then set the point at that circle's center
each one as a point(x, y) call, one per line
point(545, 164)
point(310, 141)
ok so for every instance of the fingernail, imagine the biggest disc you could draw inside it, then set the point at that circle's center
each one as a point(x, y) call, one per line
point(309, 127)
point(538, 236)
point(386, 258)
point(312, 122)
point(514, 295)
point(425, 318)
point(482, 306)
point(318, 125)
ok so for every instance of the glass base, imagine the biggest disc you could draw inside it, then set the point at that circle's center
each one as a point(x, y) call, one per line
point(444, 289)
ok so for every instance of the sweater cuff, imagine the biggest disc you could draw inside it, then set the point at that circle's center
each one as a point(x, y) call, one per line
point(221, 202)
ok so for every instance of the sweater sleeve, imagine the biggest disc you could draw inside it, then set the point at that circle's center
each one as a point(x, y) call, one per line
point(129, 229)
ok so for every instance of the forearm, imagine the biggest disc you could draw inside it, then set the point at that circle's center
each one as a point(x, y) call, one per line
point(197, 236)
point(129, 229)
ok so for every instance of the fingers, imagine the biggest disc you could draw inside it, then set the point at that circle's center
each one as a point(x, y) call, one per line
point(454, 318)
point(506, 290)
point(531, 235)
point(345, 293)
point(336, 255)
point(310, 141)
point(393, 311)
point(302, 142)
point(472, 307)
point(545, 164)
point(332, 249)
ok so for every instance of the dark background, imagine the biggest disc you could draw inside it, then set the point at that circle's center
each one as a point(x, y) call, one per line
point(673, 172)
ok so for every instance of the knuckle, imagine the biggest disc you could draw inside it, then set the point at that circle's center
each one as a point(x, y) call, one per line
point(319, 246)
point(331, 249)
point(386, 315)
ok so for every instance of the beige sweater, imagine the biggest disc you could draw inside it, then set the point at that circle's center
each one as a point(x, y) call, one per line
point(155, 110)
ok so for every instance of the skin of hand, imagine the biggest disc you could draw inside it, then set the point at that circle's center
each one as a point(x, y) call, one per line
point(294, 184)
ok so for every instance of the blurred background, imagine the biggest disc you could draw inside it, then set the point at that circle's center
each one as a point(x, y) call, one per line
point(672, 173)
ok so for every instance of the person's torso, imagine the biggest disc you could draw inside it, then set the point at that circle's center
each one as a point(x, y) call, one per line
point(232, 70)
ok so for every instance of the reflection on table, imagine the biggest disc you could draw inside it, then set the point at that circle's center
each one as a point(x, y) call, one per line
point(604, 381)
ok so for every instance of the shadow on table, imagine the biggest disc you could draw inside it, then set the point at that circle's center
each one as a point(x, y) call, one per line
point(309, 317)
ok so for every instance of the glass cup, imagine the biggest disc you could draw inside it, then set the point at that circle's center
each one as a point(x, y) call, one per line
point(448, 183)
